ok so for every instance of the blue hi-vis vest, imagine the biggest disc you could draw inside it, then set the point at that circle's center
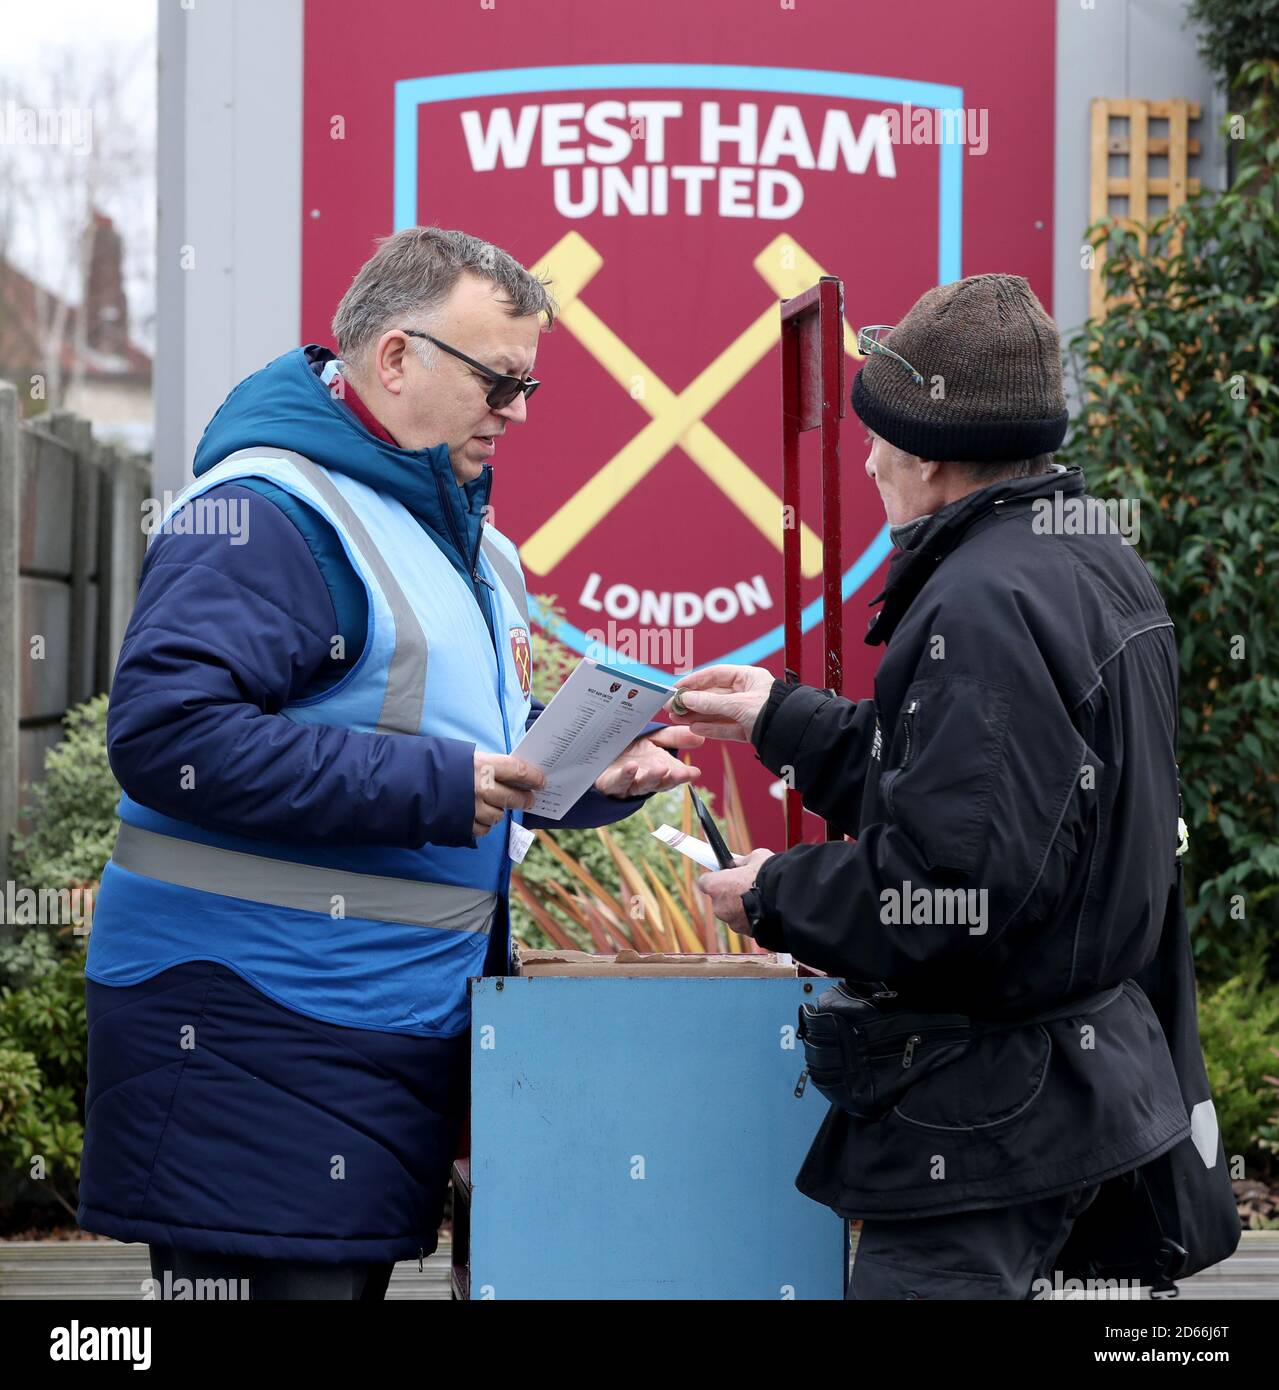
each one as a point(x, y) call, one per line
point(364, 936)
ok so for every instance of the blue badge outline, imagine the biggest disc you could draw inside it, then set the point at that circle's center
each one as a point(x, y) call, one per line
point(410, 93)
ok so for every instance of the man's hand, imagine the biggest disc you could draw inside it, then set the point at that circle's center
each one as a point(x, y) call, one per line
point(725, 887)
point(721, 701)
point(644, 765)
point(502, 783)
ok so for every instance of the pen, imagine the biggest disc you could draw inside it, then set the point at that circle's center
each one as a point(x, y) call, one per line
point(722, 852)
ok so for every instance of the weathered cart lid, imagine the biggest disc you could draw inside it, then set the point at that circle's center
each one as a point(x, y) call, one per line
point(634, 964)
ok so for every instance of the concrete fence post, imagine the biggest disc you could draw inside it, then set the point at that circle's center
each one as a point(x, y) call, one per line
point(10, 512)
point(127, 485)
point(77, 434)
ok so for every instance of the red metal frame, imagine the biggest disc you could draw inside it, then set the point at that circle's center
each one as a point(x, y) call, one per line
point(813, 398)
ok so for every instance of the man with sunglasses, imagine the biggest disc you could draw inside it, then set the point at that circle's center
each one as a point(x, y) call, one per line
point(312, 720)
point(1012, 787)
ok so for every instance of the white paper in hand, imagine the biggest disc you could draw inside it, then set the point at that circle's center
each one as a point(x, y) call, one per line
point(590, 719)
point(699, 851)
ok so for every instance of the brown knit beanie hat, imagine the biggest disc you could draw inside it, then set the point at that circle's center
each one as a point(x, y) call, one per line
point(990, 358)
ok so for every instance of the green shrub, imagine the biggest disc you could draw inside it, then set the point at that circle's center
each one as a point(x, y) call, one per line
point(32, 952)
point(1269, 1131)
point(72, 811)
point(43, 1037)
point(43, 1065)
point(1180, 411)
point(1238, 1027)
point(1234, 33)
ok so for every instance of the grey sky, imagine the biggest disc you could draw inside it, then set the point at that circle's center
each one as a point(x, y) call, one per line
point(119, 37)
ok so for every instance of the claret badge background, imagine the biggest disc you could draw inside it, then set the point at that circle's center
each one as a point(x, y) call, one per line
point(677, 290)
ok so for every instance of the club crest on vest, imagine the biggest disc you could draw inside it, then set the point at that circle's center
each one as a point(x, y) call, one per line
point(523, 656)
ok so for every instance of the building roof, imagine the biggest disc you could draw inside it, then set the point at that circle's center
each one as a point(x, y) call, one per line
point(110, 353)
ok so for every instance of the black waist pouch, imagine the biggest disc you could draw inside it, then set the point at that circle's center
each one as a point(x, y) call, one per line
point(863, 1053)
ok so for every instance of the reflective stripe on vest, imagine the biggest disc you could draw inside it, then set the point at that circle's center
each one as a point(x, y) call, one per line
point(406, 679)
point(284, 883)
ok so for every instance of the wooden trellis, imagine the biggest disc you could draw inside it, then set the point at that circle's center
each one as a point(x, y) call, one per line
point(1136, 184)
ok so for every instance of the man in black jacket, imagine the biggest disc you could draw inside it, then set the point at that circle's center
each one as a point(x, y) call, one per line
point(1013, 789)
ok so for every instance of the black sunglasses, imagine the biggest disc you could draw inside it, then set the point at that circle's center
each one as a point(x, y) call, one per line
point(504, 389)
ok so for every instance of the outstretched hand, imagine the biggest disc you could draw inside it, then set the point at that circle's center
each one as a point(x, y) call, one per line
point(721, 701)
point(646, 765)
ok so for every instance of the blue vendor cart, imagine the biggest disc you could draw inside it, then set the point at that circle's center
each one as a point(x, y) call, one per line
point(638, 1138)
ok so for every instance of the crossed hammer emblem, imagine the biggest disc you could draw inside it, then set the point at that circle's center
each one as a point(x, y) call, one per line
point(523, 659)
point(676, 419)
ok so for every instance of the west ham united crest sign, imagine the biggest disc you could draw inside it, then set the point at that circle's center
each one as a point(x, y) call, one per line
point(672, 204)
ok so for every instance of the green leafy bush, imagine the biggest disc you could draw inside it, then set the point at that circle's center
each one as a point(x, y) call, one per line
point(1180, 411)
point(1269, 1132)
point(73, 810)
point(1239, 1026)
point(43, 1066)
point(43, 1038)
point(1234, 33)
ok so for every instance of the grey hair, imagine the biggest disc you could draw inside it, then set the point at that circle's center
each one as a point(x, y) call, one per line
point(414, 271)
point(996, 472)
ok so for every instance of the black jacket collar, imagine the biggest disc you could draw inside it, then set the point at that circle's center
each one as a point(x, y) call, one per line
point(908, 569)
